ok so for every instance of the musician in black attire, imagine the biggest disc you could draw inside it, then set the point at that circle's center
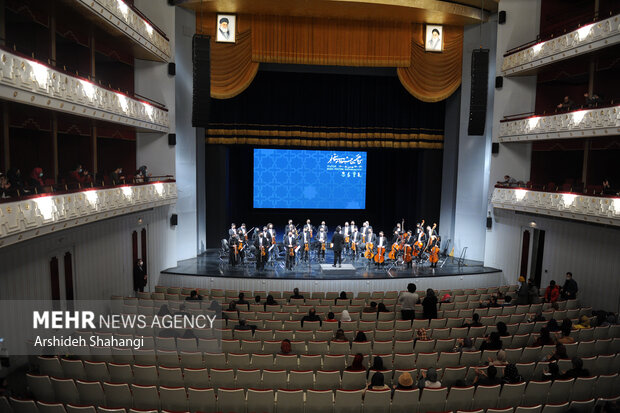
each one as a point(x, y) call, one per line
point(262, 245)
point(397, 229)
point(409, 240)
point(338, 242)
point(232, 230)
point(323, 227)
point(322, 240)
point(382, 241)
point(290, 242)
point(139, 276)
point(356, 238)
point(233, 246)
point(305, 241)
point(242, 244)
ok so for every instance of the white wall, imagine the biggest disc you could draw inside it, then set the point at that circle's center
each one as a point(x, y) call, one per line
point(589, 251)
point(102, 258)
point(474, 151)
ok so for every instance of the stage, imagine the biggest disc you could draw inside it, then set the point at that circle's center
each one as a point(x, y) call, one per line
point(209, 271)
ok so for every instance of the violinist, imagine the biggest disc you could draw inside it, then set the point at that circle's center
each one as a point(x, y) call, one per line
point(233, 249)
point(346, 233)
point(322, 241)
point(242, 243)
point(261, 244)
point(356, 241)
point(353, 226)
point(233, 230)
point(271, 236)
point(290, 242)
point(308, 227)
point(381, 246)
point(290, 227)
point(244, 232)
point(323, 226)
point(305, 238)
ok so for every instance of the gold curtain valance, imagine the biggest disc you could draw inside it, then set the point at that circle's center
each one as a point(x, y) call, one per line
point(232, 68)
point(432, 77)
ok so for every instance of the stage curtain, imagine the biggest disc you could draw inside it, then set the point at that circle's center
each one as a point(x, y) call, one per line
point(432, 77)
point(232, 68)
point(319, 41)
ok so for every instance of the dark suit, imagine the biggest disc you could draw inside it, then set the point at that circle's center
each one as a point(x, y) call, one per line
point(321, 239)
point(260, 259)
point(305, 239)
point(139, 272)
point(338, 241)
point(356, 238)
point(290, 242)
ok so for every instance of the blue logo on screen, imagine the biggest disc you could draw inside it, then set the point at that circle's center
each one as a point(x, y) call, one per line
point(306, 179)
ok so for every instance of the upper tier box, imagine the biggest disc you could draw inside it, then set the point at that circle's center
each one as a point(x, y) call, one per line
point(149, 42)
point(29, 82)
point(586, 39)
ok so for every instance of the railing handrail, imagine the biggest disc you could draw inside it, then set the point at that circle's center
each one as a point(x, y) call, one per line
point(152, 180)
point(545, 36)
point(512, 118)
point(77, 76)
point(143, 16)
point(526, 188)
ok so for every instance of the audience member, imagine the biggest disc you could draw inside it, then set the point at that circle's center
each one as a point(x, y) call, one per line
point(269, 301)
point(357, 365)
point(492, 302)
point(215, 306)
point(14, 176)
point(511, 375)
point(446, 298)
point(569, 289)
point(508, 301)
point(257, 299)
point(486, 378)
point(429, 379)
point(566, 105)
point(558, 354)
point(532, 292)
point(377, 365)
point(584, 322)
point(553, 326)
point(36, 180)
point(408, 300)
point(243, 325)
point(429, 304)
point(475, 321)
point(377, 382)
point(552, 293)
point(372, 308)
point(502, 329)
point(565, 338)
point(405, 382)
point(360, 337)
point(342, 296)
point(345, 316)
point(142, 175)
point(117, 176)
point(421, 334)
point(296, 295)
point(79, 175)
point(194, 296)
point(464, 344)
point(285, 346)
point(544, 339)
point(552, 373)
point(242, 301)
point(339, 336)
point(382, 308)
point(607, 189)
point(312, 316)
point(500, 359)
point(591, 101)
point(492, 342)
point(577, 370)
point(6, 190)
point(331, 317)
point(508, 181)
point(139, 276)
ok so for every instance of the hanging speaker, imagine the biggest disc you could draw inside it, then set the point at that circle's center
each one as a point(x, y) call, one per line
point(172, 69)
point(501, 17)
point(499, 82)
point(495, 147)
point(172, 139)
point(201, 98)
point(174, 220)
point(478, 95)
point(489, 222)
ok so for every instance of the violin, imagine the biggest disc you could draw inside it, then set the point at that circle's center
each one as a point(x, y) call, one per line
point(353, 246)
point(368, 254)
point(322, 246)
point(262, 251)
point(380, 255)
point(291, 251)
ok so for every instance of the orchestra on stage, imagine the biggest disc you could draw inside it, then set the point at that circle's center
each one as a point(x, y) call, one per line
point(309, 244)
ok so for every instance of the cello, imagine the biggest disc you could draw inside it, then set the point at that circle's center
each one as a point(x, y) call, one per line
point(433, 256)
point(407, 251)
point(380, 255)
point(368, 254)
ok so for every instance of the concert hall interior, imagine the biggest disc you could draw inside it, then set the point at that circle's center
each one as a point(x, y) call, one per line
point(260, 206)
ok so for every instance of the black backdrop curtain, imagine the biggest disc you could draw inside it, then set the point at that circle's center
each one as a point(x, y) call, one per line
point(400, 184)
point(326, 110)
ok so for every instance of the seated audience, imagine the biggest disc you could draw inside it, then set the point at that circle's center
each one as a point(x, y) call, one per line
point(511, 375)
point(508, 181)
point(14, 176)
point(142, 175)
point(565, 338)
point(584, 322)
point(243, 325)
point(296, 295)
point(311, 317)
point(502, 329)
point(552, 293)
point(331, 318)
point(464, 344)
point(382, 308)
point(339, 336)
point(36, 180)
point(345, 316)
point(377, 365)
point(269, 301)
point(357, 364)
point(446, 298)
point(6, 190)
point(500, 359)
point(360, 337)
point(194, 296)
point(242, 301)
point(591, 101)
point(553, 326)
point(429, 379)
point(117, 176)
point(486, 378)
point(377, 382)
point(79, 175)
point(552, 373)
point(422, 334)
point(607, 189)
point(405, 382)
point(577, 370)
point(285, 346)
point(215, 306)
point(492, 302)
point(566, 104)
point(372, 308)
point(342, 296)
point(492, 342)
point(257, 299)
point(544, 339)
point(558, 354)
point(569, 289)
point(508, 301)
point(475, 321)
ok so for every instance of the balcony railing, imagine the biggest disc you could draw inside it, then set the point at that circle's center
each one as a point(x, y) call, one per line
point(133, 24)
point(596, 209)
point(36, 215)
point(30, 82)
point(596, 122)
point(586, 39)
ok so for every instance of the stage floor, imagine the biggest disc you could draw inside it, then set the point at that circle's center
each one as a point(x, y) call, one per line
point(210, 265)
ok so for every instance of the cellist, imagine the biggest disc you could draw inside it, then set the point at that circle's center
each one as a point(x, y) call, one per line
point(408, 249)
point(433, 248)
point(381, 246)
point(233, 249)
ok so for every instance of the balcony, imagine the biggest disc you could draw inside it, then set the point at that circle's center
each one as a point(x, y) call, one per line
point(29, 217)
point(528, 59)
point(29, 82)
point(149, 41)
point(585, 123)
point(595, 209)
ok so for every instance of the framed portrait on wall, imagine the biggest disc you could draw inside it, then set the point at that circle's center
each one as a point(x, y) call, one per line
point(433, 39)
point(226, 28)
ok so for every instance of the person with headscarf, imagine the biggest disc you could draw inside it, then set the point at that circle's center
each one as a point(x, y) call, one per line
point(79, 175)
point(377, 382)
point(339, 336)
point(345, 316)
point(429, 379)
point(511, 375)
point(285, 346)
point(14, 176)
point(429, 304)
point(36, 180)
point(492, 342)
point(270, 301)
point(377, 365)
point(544, 339)
point(357, 364)
point(360, 337)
